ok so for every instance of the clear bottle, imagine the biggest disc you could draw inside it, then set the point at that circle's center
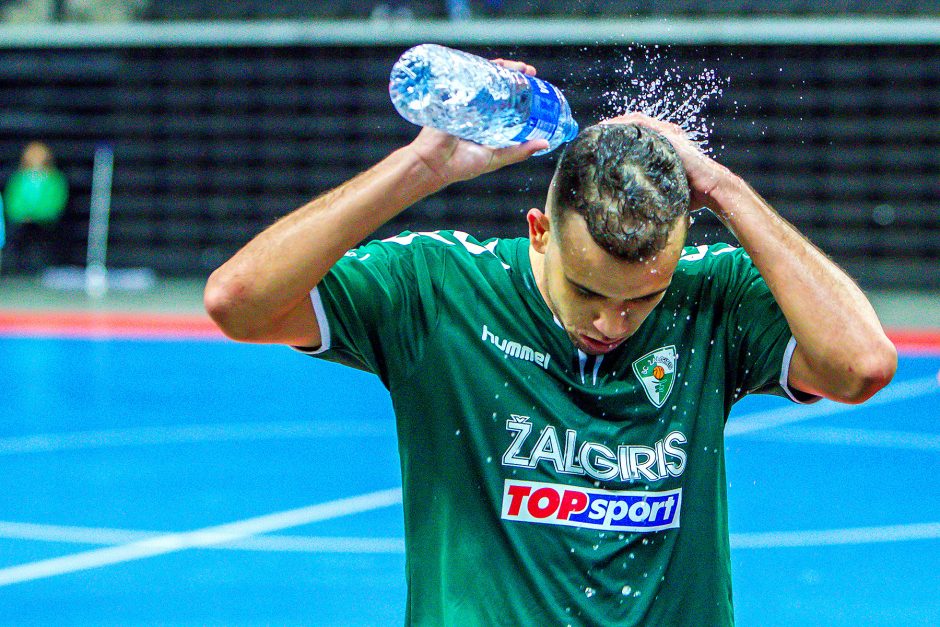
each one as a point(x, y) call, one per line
point(475, 99)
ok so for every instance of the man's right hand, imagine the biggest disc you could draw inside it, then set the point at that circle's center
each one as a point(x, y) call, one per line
point(452, 159)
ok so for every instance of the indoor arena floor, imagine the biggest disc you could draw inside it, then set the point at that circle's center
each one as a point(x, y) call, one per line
point(156, 474)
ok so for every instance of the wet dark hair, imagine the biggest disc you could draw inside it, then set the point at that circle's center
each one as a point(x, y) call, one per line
point(628, 183)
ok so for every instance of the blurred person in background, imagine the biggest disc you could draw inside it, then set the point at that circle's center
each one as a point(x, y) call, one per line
point(561, 399)
point(3, 231)
point(35, 198)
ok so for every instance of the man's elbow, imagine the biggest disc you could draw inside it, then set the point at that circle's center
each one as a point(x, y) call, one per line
point(871, 374)
point(227, 302)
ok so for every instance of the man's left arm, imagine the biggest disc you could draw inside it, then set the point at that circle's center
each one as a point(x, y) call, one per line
point(842, 351)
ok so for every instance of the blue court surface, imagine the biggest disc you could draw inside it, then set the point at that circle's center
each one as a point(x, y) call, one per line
point(189, 482)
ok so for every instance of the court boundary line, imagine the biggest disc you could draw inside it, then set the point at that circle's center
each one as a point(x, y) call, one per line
point(835, 537)
point(199, 538)
point(276, 430)
point(192, 434)
point(769, 419)
point(104, 536)
point(907, 440)
point(342, 544)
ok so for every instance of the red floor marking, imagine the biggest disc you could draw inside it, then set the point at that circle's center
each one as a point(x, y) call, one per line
point(106, 324)
point(909, 341)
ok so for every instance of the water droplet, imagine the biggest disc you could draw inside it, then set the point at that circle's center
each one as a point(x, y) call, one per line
point(457, 432)
point(626, 590)
point(589, 592)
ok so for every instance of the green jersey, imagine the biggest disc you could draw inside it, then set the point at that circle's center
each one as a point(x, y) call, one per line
point(544, 486)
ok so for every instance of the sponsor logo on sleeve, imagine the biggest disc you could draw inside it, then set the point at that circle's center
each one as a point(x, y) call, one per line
point(554, 504)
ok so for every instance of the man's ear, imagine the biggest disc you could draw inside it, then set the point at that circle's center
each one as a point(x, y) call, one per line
point(539, 228)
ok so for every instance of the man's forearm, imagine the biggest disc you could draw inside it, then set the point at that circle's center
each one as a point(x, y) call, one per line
point(267, 278)
point(847, 355)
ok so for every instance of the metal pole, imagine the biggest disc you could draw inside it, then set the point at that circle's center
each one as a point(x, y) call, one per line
point(96, 273)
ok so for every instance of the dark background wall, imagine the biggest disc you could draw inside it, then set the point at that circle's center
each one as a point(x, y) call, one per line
point(213, 144)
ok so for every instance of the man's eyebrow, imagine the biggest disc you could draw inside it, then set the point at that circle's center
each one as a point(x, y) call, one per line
point(599, 295)
point(583, 288)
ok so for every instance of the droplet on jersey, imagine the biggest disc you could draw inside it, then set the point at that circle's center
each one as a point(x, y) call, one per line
point(589, 592)
point(457, 432)
point(637, 593)
point(633, 556)
point(489, 459)
point(626, 590)
point(645, 541)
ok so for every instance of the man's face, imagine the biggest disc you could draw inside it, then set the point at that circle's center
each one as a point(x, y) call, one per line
point(599, 299)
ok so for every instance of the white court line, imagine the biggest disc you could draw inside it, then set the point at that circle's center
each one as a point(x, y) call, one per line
point(189, 434)
point(894, 393)
point(315, 544)
point(199, 538)
point(108, 536)
point(853, 437)
point(829, 537)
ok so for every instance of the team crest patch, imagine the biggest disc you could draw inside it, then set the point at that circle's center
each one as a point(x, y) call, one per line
point(656, 371)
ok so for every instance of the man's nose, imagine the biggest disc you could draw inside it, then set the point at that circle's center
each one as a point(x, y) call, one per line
point(612, 322)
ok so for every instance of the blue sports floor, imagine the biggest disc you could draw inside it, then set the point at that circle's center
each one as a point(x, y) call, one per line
point(181, 482)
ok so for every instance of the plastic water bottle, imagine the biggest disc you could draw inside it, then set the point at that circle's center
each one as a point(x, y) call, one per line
point(475, 99)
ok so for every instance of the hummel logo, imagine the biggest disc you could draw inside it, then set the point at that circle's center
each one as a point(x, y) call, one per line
point(515, 349)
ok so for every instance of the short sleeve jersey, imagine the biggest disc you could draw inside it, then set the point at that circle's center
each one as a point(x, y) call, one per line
point(541, 485)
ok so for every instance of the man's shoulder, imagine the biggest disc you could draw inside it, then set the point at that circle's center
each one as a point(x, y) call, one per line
point(457, 246)
point(712, 255)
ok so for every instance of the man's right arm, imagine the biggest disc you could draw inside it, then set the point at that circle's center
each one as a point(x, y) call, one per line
point(262, 293)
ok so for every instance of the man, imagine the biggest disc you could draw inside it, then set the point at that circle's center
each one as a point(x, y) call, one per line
point(35, 196)
point(560, 400)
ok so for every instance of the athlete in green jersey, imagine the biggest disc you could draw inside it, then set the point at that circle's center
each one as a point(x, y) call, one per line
point(561, 399)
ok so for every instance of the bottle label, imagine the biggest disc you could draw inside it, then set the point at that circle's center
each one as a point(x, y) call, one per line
point(543, 116)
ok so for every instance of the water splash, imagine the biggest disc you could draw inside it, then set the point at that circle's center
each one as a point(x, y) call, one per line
point(653, 83)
